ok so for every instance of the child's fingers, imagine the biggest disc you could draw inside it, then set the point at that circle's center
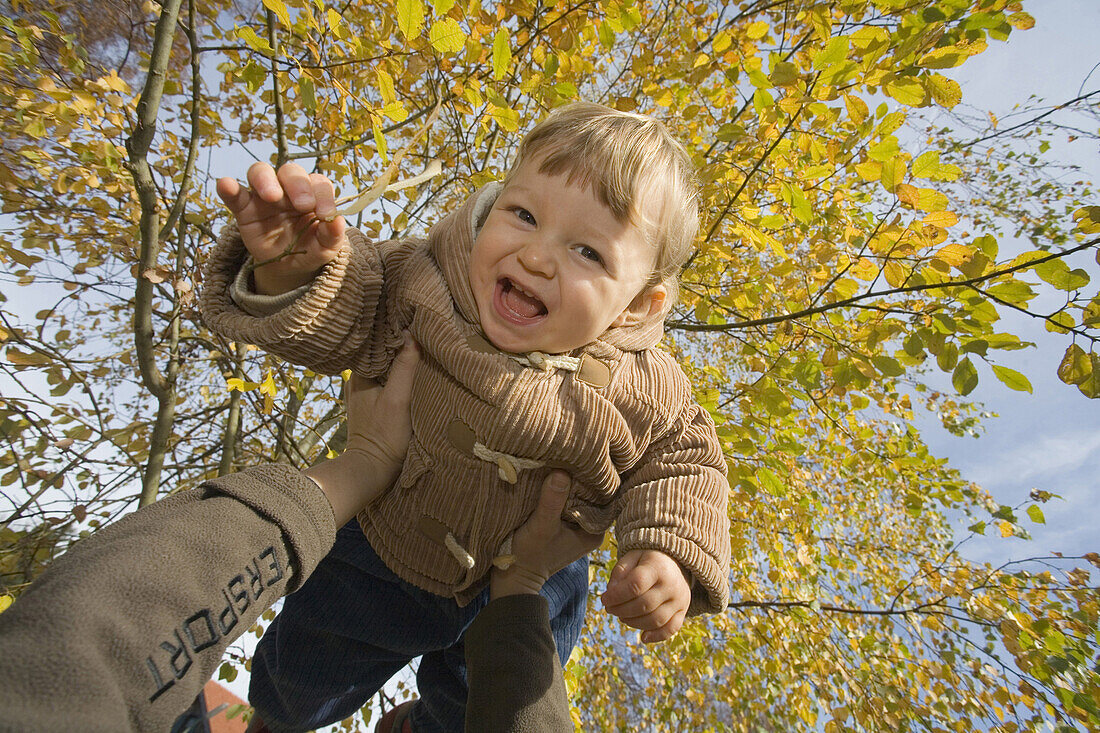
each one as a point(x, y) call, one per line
point(628, 581)
point(666, 631)
point(233, 195)
point(264, 183)
point(297, 187)
point(324, 196)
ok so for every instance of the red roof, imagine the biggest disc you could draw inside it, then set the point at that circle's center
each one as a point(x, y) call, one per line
point(216, 696)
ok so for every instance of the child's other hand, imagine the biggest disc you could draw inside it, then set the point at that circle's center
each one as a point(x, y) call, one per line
point(648, 590)
point(289, 209)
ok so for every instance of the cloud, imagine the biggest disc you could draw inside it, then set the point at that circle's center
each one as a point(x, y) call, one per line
point(1045, 459)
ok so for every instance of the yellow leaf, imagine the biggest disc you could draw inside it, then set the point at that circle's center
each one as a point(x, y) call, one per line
point(895, 274)
point(907, 90)
point(277, 7)
point(857, 108)
point(410, 18)
point(955, 254)
point(502, 54)
point(927, 164)
point(869, 170)
point(447, 36)
point(508, 119)
point(756, 30)
point(942, 219)
point(931, 200)
point(1021, 21)
point(335, 22)
point(1006, 529)
point(945, 92)
point(385, 86)
point(893, 173)
point(943, 58)
point(5, 602)
point(907, 194)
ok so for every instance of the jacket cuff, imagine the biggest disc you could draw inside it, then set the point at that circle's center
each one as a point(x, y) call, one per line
point(243, 292)
point(223, 315)
point(291, 501)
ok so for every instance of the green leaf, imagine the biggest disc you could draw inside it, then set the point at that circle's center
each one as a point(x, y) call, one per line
point(886, 365)
point(770, 482)
point(1012, 378)
point(307, 94)
point(502, 54)
point(410, 18)
point(926, 165)
point(1058, 274)
point(965, 377)
point(447, 36)
point(834, 52)
point(1036, 514)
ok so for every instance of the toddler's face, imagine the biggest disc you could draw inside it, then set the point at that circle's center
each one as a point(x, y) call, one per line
point(552, 268)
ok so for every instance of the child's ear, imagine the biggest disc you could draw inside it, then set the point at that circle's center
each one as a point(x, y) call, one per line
point(649, 302)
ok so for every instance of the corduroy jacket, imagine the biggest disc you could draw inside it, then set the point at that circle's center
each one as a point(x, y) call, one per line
point(643, 454)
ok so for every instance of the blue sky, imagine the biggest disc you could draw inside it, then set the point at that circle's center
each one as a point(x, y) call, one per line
point(1050, 439)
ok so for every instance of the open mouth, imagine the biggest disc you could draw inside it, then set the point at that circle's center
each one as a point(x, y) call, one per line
point(517, 305)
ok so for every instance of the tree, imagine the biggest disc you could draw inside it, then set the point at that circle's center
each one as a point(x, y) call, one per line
point(850, 255)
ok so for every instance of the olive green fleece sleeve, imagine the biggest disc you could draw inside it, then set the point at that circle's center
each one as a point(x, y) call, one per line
point(512, 670)
point(122, 631)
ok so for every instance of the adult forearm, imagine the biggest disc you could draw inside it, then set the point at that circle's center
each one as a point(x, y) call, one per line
point(512, 669)
point(122, 631)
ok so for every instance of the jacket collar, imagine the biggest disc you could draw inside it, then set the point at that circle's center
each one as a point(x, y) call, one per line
point(451, 241)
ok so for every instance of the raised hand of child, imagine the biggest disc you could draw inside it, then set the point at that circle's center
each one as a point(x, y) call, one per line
point(288, 223)
point(649, 591)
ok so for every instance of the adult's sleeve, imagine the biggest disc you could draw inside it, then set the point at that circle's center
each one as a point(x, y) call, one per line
point(675, 501)
point(122, 631)
point(345, 318)
point(512, 670)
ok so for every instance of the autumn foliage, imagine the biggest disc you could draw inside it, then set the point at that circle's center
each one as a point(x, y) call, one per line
point(859, 246)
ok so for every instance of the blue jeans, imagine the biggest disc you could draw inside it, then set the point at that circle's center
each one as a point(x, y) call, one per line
point(354, 624)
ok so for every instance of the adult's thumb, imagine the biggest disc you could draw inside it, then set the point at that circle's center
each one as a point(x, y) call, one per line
point(555, 491)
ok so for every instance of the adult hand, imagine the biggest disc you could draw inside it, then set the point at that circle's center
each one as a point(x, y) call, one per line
point(288, 223)
point(649, 591)
point(379, 430)
point(544, 544)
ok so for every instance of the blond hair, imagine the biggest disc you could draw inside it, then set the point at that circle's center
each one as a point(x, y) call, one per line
point(636, 169)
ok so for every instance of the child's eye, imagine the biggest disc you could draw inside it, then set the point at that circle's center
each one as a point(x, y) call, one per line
point(589, 254)
point(524, 215)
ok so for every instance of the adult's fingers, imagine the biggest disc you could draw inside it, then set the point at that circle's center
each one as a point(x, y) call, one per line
point(399, 383)
point(555, 491)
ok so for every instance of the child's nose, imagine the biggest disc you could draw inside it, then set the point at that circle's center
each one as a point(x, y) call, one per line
point(537, 257)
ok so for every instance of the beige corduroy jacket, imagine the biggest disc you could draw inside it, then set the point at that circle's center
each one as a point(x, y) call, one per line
point(643, 454)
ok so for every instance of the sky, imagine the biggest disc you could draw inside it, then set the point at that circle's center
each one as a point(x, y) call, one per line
point(1049, 439)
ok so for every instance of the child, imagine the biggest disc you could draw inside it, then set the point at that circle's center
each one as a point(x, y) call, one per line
point(538, 305)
